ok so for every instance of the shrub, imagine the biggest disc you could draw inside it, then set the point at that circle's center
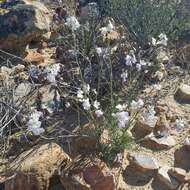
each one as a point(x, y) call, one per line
point(145, 19)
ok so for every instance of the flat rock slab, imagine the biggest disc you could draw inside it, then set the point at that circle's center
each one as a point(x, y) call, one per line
point(143, 163)
point(164, 142)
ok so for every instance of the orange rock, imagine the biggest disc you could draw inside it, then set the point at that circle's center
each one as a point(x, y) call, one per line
point(36, 166)
point(34, 58)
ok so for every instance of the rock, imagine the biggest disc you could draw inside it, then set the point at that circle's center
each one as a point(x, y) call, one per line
point(94, 174)
point(34, 58)
point(182, 158)
point(35, 167)
point(24, 22)
point(143, 127)
point(86, 141)
point(180, 174)
point(162, 126)
point(164, 142)
point(143, 163)
point(183, 93)
point(165, 178)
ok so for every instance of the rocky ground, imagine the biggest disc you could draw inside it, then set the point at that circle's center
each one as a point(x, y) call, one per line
point(37, 73)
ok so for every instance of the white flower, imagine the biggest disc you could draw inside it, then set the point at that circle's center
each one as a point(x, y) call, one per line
point(86, 104)
point(180, 124)
point(109, 28)
point(96, 104)
point(143, 63)
point(136, 105)
point(52, 72)
point(73, 23)
point(99, 50)
point(34, 125)
point(130, 59)
point(124, 76)
point(122, 118)
point(121, 107)
point(80, 94)
point(99, 113)
point(86, 88)
point(157, 86)
point(153, 41)
point(67, 105)
point(163, 40)
point(94, 91)
point(138, 66)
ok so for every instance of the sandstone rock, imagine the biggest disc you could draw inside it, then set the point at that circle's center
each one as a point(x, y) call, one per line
point(165, 178)
point(143, 163)
point(34, 58)
point(35, 167)
point(25, 21)
point(183, 93)
point(180, 174)
point(94, 173)
point(164, 142)
point(143, 127)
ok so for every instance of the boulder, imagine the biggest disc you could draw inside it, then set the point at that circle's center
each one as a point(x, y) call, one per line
point(183, 93)
point(34, 168)
point(23, 22)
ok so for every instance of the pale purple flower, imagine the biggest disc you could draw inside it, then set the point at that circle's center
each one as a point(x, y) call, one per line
point(99, 113)
point(34, 124)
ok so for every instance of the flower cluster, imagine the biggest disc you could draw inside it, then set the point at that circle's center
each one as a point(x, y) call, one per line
point(132, 62)
point(83, 97)
point(122, 118)
point(34, 123)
